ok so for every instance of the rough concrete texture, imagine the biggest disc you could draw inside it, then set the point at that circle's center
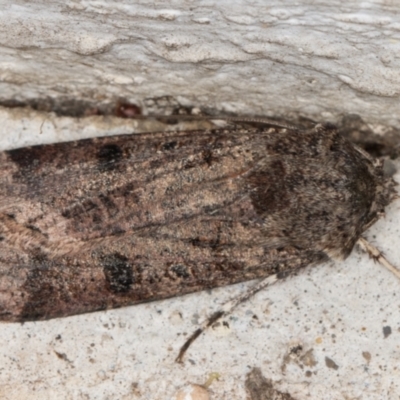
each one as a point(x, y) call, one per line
point(330, 333)
point(318, 59)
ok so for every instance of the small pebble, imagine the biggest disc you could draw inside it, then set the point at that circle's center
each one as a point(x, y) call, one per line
point(192, 392)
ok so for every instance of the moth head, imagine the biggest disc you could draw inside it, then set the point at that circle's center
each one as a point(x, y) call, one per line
point(371, 193)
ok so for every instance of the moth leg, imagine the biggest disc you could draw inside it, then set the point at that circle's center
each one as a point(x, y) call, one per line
point(227, 309)
point(377, 255)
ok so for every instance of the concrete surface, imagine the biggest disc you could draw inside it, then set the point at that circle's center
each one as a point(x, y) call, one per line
point(316, 59)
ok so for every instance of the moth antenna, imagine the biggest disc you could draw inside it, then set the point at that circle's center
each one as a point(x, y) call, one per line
point(227, 309)
point(265, 121)
point(184, 117)
point(377, 255)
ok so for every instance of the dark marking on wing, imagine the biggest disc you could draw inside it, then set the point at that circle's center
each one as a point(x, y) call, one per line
point(108, 157)
point(118, 272)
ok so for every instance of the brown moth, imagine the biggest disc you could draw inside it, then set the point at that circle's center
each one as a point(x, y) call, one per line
point(113, 221)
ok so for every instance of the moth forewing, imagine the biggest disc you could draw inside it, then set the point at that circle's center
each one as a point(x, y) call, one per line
point(114, 221)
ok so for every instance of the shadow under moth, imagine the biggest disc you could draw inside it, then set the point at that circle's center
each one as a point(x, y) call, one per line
point(109, 222)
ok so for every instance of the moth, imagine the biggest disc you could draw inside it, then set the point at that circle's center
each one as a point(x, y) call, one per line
point(114, 221)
